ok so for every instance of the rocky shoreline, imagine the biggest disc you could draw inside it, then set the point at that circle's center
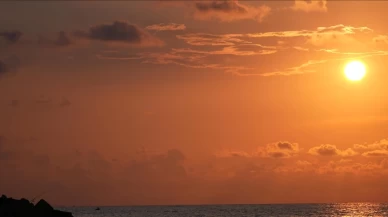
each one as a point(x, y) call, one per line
point(10, 207)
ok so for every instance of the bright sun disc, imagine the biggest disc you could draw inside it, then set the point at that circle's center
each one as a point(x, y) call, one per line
point(355, 70)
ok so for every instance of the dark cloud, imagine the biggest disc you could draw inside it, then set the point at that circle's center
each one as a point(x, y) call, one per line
point(280, 150)
point(286, 145)
point(325, 150)
point(331, 150)
point(229, 10)
point(11, 36)
point(222, 6)
point(122, 32)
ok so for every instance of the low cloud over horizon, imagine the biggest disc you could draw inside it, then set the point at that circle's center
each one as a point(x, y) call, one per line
point(144, 170)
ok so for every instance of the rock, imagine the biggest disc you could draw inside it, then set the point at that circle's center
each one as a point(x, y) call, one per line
point(10, 207)
point(57, 213)
point(13, 207)
point(42, 208)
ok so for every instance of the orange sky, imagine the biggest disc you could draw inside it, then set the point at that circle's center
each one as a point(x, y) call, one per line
point(193, 102)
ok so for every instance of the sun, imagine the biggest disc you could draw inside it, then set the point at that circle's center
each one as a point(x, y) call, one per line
point(355, 70)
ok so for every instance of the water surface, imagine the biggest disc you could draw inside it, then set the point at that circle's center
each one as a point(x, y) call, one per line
point(267, 210)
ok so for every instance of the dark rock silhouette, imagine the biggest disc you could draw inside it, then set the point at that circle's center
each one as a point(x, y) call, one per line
point(10, 207)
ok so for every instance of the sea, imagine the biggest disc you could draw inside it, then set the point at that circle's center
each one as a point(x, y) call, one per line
point(267, 210)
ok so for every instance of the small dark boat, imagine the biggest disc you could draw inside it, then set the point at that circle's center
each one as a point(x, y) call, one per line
point(98, 208)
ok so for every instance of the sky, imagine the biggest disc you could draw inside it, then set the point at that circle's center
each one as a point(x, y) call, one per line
point(193, 102)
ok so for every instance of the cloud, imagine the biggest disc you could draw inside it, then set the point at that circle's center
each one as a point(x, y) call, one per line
point(319, 37)
point(203, 39)
point(376, 153)
point(338, 167)
point(166, 27)
point(310, 5)
point(279, 150)
point(379, 145)
point(310, 66)
point(12, 36)
point(339, 29)
point(183, 58)
point(247, 50)
point(304, 68)
point(381, 39)
point(226, 154)
point(329, 39)
point(272, 150)
point(376, 149)
point(229, 10)
point(120, 32)
point(331, 150)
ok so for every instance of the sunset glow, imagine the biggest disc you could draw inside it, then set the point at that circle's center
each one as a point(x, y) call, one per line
point(194, 102)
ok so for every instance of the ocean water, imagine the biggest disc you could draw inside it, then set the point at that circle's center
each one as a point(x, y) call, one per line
point(268, 210)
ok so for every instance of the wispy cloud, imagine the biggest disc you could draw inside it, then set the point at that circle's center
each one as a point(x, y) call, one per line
point(376, 153)
point(381, 39)
point(166, 27)
point(203, 39)
point(308, 67)
point(247, 50)
point(304, 68)
point(339, 29)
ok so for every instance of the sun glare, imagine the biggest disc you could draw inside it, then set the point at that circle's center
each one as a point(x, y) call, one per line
point(355, 70)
